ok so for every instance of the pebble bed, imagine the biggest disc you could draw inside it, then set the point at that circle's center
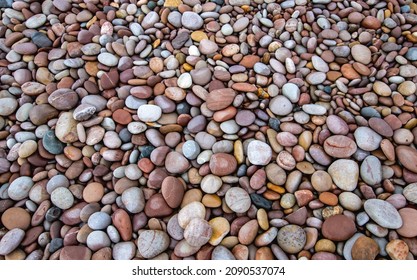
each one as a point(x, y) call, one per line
point(222, 129)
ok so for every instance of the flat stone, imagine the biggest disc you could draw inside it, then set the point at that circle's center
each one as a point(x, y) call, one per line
point(383, 213)
point(259, 153)
point(189, 212)
point(150, 19)
point(20, 187)
point(291, 238)
point(16, 217)
point(7, 106)
point(361, 54)
point(207, 47)
point(211, 183)
point(222, 164)
point(63, 99)
point(62, 198)
point(367, 139)
point(316, 78)
point(191, 20)
point(407, 156)
point(97, 240)
point(108, 59)
point(133, 199)
point(397, 249)
point(11, 240)
point(381, 89)
point(338, 228)
point(176, 163)
point(344, 173)
point(409, 227)
point(149, 113)
point(410, 192)
point(66, 128)
point(238, 200)
point(99, 221)
point(371, 170)
point(280, 105)
point(220, 98)
point(124, 251)
point(222, 253)
point(172, 191)
point(75, 253)
point(198, 232)
point(319, 64)
point(365, 248)
point(339, 146)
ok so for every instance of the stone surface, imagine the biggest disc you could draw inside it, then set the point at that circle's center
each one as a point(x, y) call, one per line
point(338, 228)
point(152, 242)
point(344, 173)
point(11, 240)
point(259, 153)
point(365, 248)
point(238, 200)
point(291, 238)
point(383, 213)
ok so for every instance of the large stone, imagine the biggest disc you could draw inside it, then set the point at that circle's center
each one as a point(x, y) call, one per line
point(345, 174)
point(259, 153)
point(383, 213)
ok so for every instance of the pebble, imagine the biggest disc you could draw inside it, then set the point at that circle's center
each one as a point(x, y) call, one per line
point(259, 153)
point(365, 248)
point(35, 21)
point(211, 184)
point(291, 239)
point(407, 157)
point(410, 192)
point(361, 54)
point(191, 149)
point(397, 249)
point(238, 200)
point(16, 217)
point(173, 191)
point(7, 106)
point(133, 200)
point(291, 91)
point(222, 253)
point(383, 213)
point(11, 240)
point(191, 20)
point(280, 105)
point(216, 126)
point(99, 220)
point(338, 228)
point(151, 243)
point(124, 251)
point(339, 146)
point(97, 240)
point(409, 228)
point(222, 164)
point(208, 47)
point(20, 187)
point(62, 198)
point(108, 59)
point(149, 113)
point(344, 173)
point(371, 170)
point(198, 232)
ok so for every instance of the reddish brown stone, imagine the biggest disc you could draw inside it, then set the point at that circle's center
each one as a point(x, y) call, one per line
point(338, 228)
point(222, 164)
point(121, 116)
point(156, 207)
point(172, 191)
